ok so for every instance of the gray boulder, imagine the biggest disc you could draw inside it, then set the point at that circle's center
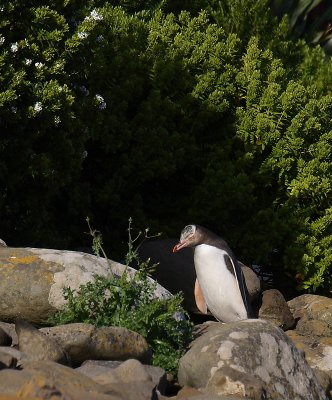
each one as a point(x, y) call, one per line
point(39, 276)
point(249, 358)
point(86, 342)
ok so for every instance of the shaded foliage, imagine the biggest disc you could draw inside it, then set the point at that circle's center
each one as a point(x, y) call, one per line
point(215, 117)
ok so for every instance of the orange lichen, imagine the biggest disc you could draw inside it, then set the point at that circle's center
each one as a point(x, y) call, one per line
point(22, 260)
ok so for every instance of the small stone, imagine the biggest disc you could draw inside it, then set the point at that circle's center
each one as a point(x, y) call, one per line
point(313, 327)
point(14, 353)
point(86, 342)
point(325, 380)
point(9, 329)
point(275, 309)
point(127, 371)
point(6, 360)
point(313, 307)
point(5, 339)
point(253, 283)
point(37, 345)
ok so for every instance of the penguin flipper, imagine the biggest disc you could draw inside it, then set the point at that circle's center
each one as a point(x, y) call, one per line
point(236, 270)
point(199, 298)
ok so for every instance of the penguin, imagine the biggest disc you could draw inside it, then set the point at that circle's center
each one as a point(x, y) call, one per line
point(220, 286)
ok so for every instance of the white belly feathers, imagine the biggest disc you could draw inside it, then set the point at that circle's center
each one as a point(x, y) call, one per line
point(219, 286)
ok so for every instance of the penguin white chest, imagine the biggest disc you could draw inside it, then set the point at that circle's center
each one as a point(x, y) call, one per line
point(219, 285)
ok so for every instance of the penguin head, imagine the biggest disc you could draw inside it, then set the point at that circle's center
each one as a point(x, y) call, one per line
point(188, 238)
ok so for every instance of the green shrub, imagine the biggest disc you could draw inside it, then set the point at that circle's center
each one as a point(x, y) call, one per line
point(129, 301)
point(119, 102)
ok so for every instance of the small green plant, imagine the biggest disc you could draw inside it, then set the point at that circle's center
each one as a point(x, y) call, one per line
point(129, 301)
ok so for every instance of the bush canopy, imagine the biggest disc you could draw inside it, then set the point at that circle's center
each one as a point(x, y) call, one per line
point(169, 114)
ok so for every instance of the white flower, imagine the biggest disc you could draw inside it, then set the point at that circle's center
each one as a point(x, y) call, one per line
point(38, 106)
point(99, 98)
point(101, 101)
point(14, 47)
point(27, 61)
point(2, 40)
point(95, 15)
point(57, 120)
point(82, 35)
point(39, 65)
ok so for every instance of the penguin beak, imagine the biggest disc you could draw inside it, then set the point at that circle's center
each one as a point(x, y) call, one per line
point(179, 246)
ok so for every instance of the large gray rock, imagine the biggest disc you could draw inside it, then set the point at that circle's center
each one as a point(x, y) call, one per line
point(86, 342)
point(251, 358)
point(32, 280)
point(176, 271)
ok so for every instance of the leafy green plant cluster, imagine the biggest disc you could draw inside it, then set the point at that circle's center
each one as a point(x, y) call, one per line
point(129, 301)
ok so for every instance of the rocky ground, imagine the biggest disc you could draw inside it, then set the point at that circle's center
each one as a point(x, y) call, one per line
point(284, 354)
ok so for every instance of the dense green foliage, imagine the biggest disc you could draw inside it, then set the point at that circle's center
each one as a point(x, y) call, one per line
point(129, 301)
point(214, 117)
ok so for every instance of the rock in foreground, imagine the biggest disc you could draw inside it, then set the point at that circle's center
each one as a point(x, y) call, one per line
point(86, 342)
point(250, 358)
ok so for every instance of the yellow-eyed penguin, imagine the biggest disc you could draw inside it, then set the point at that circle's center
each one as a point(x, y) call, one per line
point(220, 285)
